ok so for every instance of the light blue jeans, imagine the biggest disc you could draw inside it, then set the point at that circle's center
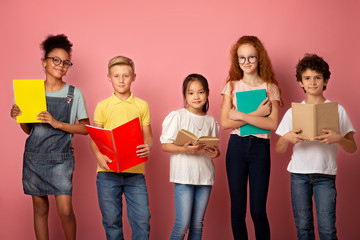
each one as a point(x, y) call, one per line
point(190, 206)
point(322, 187)
point(110, 188)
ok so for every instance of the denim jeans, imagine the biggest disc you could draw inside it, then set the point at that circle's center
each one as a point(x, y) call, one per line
point(110, 187)
point(322, 187)
point(190, 206)
point(248, 158)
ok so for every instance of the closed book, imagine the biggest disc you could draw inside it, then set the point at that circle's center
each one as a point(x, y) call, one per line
point(30, 98)
point(248, 102)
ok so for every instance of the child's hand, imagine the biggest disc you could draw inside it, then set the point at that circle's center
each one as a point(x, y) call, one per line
point(144, 150)
point(293, 137)
point(213, 152)
point(329, 137)
point(193, 149)
point(103, 160)
point(15, 111)
point(46, 117)
point(264, 108)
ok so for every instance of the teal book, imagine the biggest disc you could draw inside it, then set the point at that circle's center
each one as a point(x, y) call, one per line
point(247, 102)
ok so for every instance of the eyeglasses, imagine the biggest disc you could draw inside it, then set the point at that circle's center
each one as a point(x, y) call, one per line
point(57, 61)
point(251, 59)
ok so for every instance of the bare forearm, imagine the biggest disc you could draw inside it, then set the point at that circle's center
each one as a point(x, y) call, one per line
point(281, 145)
point(172, 148)
point(261, 122)
point(348, 145)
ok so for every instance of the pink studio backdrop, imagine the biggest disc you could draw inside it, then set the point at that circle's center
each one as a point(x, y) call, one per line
point(167, 41)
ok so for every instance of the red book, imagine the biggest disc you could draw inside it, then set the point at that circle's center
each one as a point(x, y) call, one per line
point(119, 144)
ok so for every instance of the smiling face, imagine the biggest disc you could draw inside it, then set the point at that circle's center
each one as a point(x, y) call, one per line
point(312, 82)
point(195, 97)
point(53, 71)
point(121, 78)
point(248, 53)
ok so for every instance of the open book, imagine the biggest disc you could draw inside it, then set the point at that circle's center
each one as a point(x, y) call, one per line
point(119, 144)
point(30, 98)
point(184, 136)
point(248, 102)
point(312, 118)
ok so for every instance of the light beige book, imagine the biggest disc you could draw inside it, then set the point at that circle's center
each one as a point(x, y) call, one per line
point(184, 136)
point(312, 118)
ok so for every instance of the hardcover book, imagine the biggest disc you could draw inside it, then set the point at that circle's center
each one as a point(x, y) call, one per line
point(312, 118)
point(184, 136)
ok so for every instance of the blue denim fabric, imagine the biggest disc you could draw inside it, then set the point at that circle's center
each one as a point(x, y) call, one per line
point(110, 188)
point(190, 206)
point(248, 158)
point(322, 187)
point(48, 163)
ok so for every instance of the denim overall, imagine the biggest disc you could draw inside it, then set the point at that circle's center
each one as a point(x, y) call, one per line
point(48, 158)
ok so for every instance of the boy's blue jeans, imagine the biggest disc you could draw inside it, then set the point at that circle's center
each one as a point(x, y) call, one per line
point(190, 206)
point(322, 187)
point(110, 187)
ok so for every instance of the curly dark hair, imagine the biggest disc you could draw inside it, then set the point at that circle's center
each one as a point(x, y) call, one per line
point(193, 77)
point(56, 41)
point(315, 63)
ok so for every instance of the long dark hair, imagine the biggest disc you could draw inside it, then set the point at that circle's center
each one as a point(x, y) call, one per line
point(193, 77)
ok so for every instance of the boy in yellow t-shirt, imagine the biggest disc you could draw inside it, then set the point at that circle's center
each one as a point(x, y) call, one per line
point(110, 113)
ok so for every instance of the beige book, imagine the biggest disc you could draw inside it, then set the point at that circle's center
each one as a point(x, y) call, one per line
point(312, 118)
point(184, 136)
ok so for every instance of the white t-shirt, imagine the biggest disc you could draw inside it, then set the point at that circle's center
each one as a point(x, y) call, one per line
point(195, 169)
point(312, 156)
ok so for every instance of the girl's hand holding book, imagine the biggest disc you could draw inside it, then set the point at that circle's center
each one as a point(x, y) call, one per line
point(15, 111)
point(193, 149)
point(264, 108)
point(213, 152)
point(46, 117)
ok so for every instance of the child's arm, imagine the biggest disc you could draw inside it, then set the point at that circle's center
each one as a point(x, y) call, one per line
point(101, 158)
point(187, 148)
point(144, 150)
point(264, 122)
point(229, 122)
point(290, 137)
point(347, 142)
point(79, 128)
point(14, 112)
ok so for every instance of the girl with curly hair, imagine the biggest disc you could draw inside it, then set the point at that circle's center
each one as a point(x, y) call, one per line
point(48, 162)
point(248, 157)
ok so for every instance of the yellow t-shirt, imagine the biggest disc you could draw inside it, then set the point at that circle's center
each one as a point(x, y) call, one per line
point(113, 112)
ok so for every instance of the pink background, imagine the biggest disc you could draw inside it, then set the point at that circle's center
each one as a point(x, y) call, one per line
point(167, 41)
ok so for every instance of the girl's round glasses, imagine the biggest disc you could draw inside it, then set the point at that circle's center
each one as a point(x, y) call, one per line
point(251, 59)
point(57, 61)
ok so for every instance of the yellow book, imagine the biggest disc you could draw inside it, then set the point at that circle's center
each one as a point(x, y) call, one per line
point(30, 97)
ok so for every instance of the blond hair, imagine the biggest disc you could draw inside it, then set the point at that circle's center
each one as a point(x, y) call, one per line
point(121, 60)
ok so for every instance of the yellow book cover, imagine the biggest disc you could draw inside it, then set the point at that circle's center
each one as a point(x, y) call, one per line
point(30, 97)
